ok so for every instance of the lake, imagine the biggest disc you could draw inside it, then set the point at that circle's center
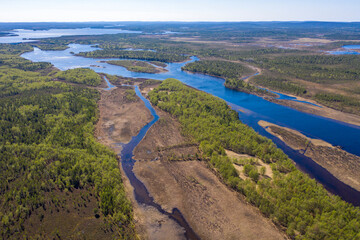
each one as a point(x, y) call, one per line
point(23, 35)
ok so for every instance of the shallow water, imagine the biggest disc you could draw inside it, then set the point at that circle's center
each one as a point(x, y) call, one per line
point(251, 109)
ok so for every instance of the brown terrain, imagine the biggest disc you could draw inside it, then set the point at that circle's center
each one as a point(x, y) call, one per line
point(120, 118)
point(212, 209)
point(343, 165)
point(72, 214)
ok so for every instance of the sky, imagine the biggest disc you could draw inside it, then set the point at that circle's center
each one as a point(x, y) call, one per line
point(178, 10)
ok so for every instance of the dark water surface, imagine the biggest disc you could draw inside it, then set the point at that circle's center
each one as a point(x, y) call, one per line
point(251, 109)
point(142, 195)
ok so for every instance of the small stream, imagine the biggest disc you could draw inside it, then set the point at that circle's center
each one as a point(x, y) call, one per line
point(141, 194)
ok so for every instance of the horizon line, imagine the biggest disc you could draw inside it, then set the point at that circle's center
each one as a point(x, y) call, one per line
point(188, 21)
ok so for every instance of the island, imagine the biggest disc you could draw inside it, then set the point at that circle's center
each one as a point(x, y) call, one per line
point(137, 66)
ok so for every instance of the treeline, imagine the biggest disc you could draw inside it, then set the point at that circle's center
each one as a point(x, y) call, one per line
point(142, 55)
point(279, 84)
point(340, 102)
point(316, 68)
point(232, 72)
point(291, 199)
point(240, 85)
point(135, 66)
point(80, 75)
point(14, 81)
point(253, 54)
point(218, 68)
point(48, 151)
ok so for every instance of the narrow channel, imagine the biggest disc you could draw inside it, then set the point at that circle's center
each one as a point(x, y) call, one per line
point(142, 195)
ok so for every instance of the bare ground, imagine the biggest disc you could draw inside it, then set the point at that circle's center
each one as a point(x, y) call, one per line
point(120, 118)
point(212, 210)
point(343, 165)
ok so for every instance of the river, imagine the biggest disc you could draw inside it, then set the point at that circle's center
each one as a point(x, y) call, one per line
point(251, 109)
point(141, 194)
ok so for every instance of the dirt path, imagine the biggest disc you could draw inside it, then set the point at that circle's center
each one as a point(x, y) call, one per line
point(343, 165)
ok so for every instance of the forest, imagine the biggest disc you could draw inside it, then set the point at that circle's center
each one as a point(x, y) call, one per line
point(290, 199)
point(141, 55)
point(316, 68)
point(48, 151)
point(218, 68)
point(81, 76)
point(279, 84)
point(135, 66)
point(232, 72)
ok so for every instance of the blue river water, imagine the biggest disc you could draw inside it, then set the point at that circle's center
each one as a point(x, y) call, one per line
point(348, 50)
point(141, 194)
point(251, 109)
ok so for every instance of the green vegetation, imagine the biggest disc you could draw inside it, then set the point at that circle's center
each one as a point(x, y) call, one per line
point(50, 46)
point(159, 64)
point(232, 72)
point(135, 66)
point(340, 102)
point(279, 84)
point(80, 75)
point(9, 56)
point(142, 55)
point(218, 68)
point(317, 68)
point(130, 94)
point(240, 85)
point(48, 153)
point(291, 199)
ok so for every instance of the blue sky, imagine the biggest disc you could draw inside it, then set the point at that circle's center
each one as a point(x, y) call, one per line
point(179, 10)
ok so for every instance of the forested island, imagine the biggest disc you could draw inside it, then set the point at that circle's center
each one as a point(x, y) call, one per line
point(137, 66)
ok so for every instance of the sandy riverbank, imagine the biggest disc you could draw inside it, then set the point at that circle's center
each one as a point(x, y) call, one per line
point(343, 165)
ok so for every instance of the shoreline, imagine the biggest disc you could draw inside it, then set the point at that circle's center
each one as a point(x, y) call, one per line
point(322, 111)
point(342, 165)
